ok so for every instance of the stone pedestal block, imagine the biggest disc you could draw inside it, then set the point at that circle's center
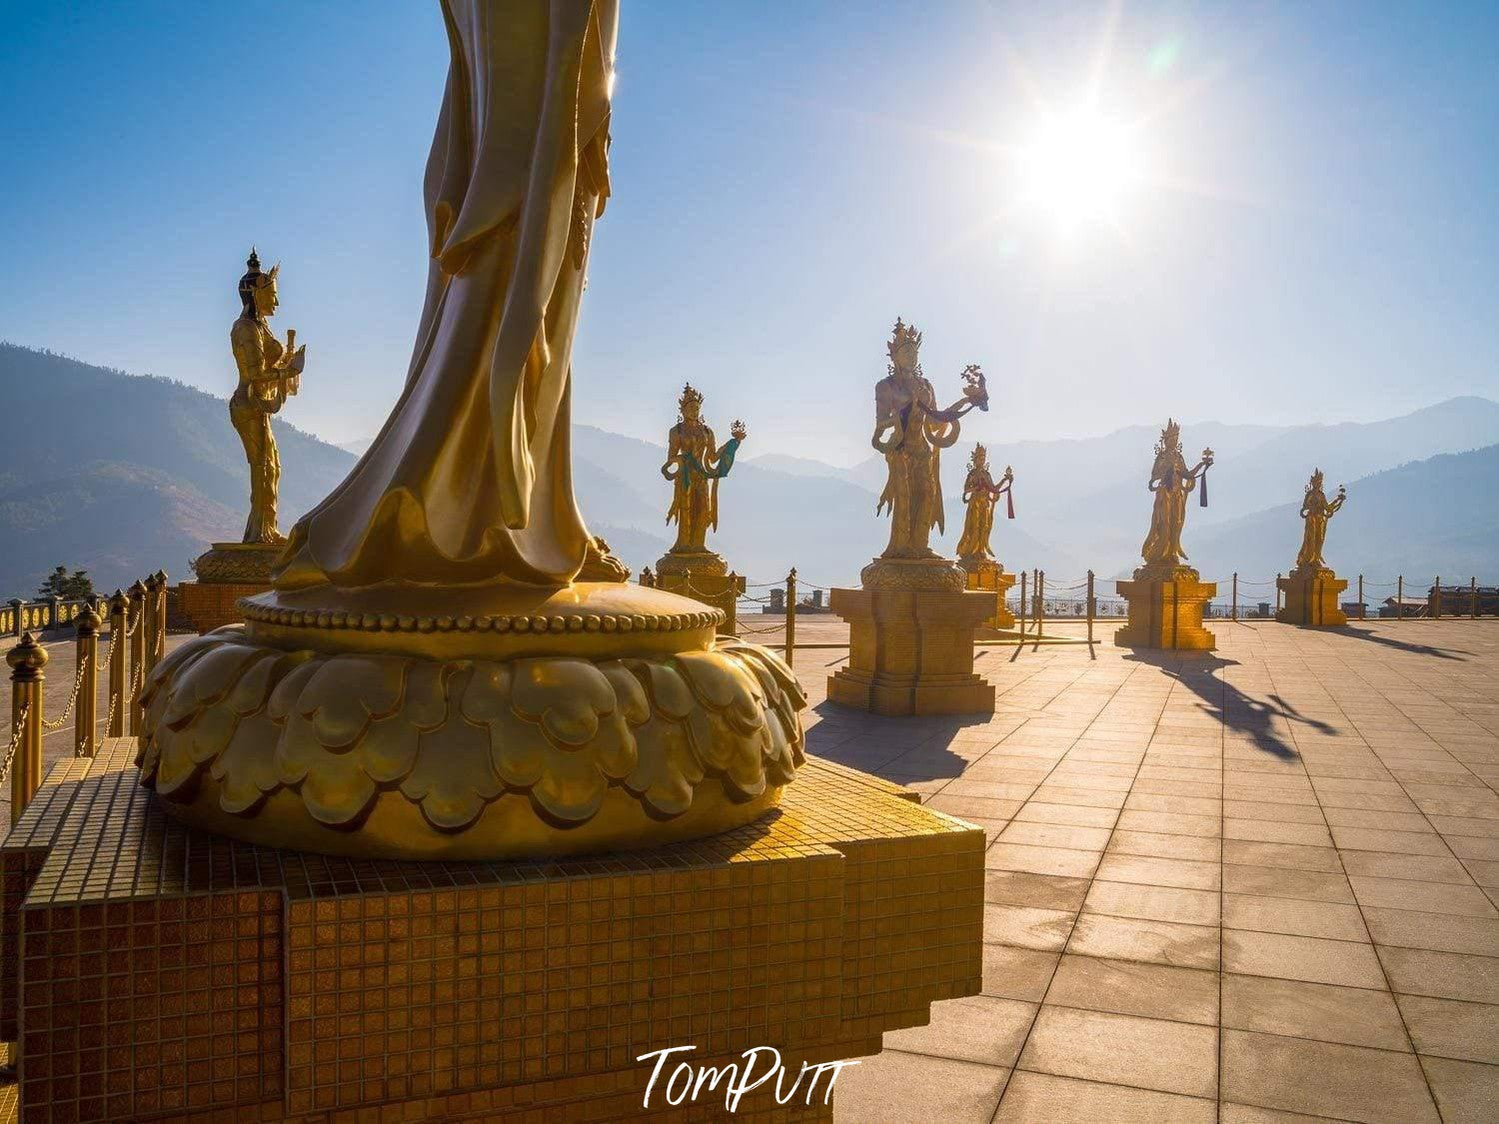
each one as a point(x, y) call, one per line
point(154, 971)
point(987, 575)
point(226, 573)
point(1312, 598)
point(1166, 612)
point(911, 651)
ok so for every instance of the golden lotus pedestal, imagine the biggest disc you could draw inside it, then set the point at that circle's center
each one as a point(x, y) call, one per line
point(911, 649)
point(1166, 610)
point(167, 973)
point(1312, 598)
point(987, 575)
point(226, 573)
point(703, 576)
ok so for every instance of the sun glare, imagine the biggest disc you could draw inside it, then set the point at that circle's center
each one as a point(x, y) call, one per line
point(1079, 168)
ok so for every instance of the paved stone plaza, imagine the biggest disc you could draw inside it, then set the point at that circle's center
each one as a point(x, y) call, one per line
point(1246, 885)
point(1255, 883)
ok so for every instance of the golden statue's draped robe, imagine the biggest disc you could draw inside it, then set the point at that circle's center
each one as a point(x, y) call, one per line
point(1171, 482)
point(913, 459)
point(978, 517)
point(470, 481)
point(256, 351)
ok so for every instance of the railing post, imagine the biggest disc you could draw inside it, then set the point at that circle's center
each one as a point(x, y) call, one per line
point(1040, 601)
point(1363, 609)
point(119, 625)
point(26, 661)
point(16, 605)
point(1233, 610)
point(86, 717)
point(1399, 596)
point(1023, 617)
point(790, 615)
point(54, 611)
point(161, 618)
point(1277, 593)
point(1473, 597)
point(1092, 605)
point(137, 657)
point(1436, 598)
point(149, 626)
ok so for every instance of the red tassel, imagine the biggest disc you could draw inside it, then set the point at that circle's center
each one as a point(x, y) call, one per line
point(1202, 497)
point(1010, 502)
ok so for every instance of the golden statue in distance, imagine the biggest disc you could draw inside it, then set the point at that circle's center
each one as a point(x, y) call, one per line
point(980, 494)
point(1167, 599)
point(448, 666)
point(1316, 510)
point(1171, 481)
point(269, 373)
point(911, 432)
point(1311, 591)
point(694, 467)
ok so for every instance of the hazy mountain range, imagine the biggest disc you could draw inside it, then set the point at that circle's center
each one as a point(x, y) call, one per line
point(121, 474)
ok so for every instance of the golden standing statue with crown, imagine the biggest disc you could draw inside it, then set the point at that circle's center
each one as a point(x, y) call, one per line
point(269, 373)
point(1312, 591)
point(975, 555)
point(1167, 599)
point(694, 465)
point(911, 431)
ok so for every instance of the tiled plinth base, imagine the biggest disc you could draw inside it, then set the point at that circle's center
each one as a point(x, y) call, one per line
point(911, 652)
point(211, 605)
point(1311, 599)
point(989, 576)
point(721, 591)
point(1166, 613)
point(152, 971)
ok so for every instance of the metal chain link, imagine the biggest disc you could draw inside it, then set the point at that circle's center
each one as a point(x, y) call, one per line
point(61, 720)
point(16, 734)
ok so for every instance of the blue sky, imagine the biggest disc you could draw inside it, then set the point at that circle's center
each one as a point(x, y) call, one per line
point(1312, 235)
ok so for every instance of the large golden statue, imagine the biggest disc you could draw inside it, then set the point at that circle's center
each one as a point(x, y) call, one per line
point(431, 675)
point(980, 494)
point(694, 466)
point(269, 373)
point(1171, 481)
point(911, 431)
point(1316, 510)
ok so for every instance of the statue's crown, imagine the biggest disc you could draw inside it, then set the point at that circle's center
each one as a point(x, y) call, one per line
point(978, 456)
point(903, 334)
point(254, 278)
point(689, 395)
point(1170, 436)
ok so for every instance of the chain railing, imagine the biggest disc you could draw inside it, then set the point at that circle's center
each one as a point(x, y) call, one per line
point(137, 640)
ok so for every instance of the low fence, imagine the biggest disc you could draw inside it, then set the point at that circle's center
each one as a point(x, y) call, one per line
point(137, 630)
point(1035, 600)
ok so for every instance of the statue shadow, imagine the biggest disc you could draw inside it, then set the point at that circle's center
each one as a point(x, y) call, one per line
point(1459, 654)
point(899, 750)
point(1239, 712)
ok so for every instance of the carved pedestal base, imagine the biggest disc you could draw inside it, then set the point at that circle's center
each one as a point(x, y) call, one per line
point(207, 978)
point(226, 573)
point(987, 575)
point(1166, 610)
point(704, 577)
point(473, 723)
point(1311, 598)
point(911, 651)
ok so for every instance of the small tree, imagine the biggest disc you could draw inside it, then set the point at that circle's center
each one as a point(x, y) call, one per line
point(68, 587)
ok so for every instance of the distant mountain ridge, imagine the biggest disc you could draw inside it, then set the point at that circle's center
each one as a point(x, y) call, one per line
point(123, 474)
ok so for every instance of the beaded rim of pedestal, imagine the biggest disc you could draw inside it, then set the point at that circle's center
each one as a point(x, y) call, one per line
point(913, 574)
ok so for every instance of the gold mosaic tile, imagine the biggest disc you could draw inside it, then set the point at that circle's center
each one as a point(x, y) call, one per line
point(165, 972)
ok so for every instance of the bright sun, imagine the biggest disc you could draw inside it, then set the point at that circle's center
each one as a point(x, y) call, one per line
point(1079, 168)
